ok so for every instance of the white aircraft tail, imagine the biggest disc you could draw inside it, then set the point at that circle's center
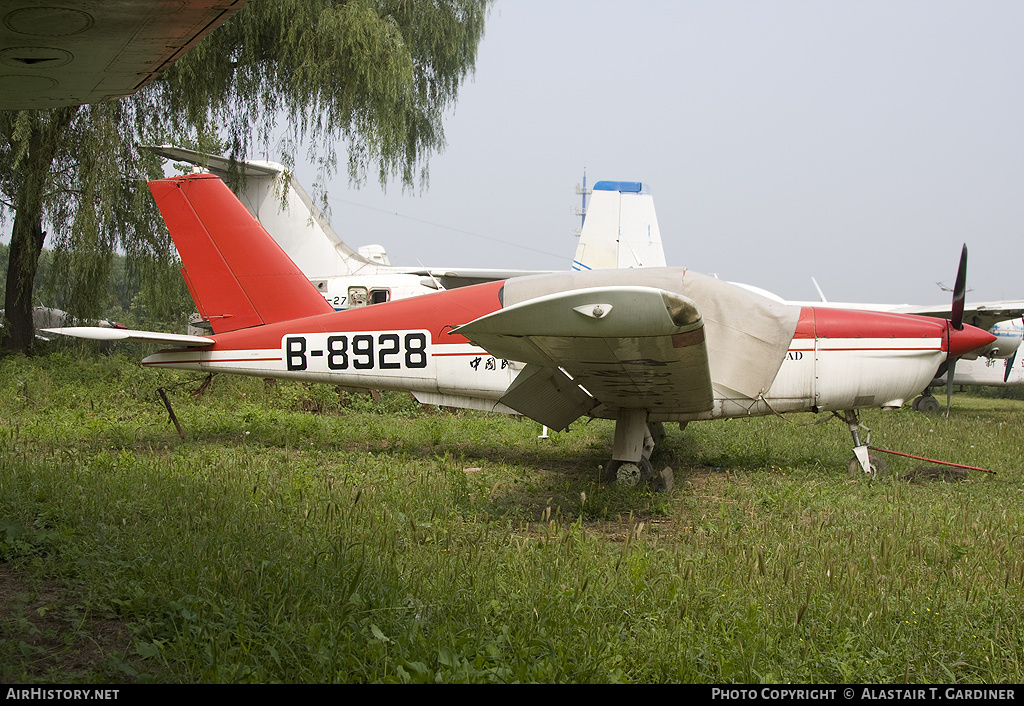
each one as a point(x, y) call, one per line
point(620, 229)
point(278, 201)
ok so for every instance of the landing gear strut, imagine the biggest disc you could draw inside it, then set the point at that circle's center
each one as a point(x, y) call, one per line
point(864, 462)
point(635, 439)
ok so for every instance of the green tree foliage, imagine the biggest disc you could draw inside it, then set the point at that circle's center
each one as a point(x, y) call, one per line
point(374, 75)
point(370, 77)
point(73, 175)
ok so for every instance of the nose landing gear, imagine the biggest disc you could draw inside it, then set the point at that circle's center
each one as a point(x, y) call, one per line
point(864, 462)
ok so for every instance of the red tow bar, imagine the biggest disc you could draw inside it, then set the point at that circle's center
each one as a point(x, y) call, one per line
point(931, 460)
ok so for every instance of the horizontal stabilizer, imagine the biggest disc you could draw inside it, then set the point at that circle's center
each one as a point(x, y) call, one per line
point(220, 166)
point(96, 333)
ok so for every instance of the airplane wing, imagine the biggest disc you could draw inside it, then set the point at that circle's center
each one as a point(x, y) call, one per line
point(215, 164)
point(59, 54)
point(466, 276)
point(96, 333)
point(617, 346)
point(984, 315)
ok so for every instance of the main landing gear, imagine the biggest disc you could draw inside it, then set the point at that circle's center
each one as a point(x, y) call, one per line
point(864, 462)
point(635, 439)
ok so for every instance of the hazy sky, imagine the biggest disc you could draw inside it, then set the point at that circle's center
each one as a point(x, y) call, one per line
point(858, 142)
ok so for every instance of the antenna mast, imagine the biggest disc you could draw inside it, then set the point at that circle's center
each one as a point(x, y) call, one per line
point(583, 192)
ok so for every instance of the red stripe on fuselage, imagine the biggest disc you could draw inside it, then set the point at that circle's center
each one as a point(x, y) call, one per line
point(218, 360)
point(436, 313)
point(902, 349)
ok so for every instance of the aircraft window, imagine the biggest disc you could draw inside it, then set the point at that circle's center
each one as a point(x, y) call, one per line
point(356, 297)
point(379, 296)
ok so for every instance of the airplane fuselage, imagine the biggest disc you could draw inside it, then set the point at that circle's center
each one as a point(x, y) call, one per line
point(835, 360)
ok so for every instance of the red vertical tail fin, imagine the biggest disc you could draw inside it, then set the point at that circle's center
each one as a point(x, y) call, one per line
point(237, 274)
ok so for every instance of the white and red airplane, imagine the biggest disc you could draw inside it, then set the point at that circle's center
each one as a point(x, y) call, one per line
point(639, 346)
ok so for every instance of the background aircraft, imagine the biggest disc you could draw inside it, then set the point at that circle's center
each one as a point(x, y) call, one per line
point(986, 371)
point(279, 202)
point(45, 317)
point(638, 347)
point(620, 230)
point(59, 53)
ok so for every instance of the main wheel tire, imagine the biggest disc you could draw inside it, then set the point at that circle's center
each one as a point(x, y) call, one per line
point(629, 473)
point(929, 405)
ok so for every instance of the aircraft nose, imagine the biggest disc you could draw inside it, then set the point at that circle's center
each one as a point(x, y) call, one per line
point(969, 338)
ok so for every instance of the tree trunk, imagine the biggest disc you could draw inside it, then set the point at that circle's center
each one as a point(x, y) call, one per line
point(33, 176)
point(26, 246)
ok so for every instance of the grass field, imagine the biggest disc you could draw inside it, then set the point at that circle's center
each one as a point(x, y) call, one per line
point(299, 534)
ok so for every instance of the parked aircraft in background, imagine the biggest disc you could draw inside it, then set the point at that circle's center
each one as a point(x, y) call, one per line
point(345, 277)
point(620, 230)
point(68, 53)
point(986, 371)
point(44, 317)
point(639, 347)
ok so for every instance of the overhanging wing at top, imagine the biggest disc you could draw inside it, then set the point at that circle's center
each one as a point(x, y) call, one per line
point(453, 278)
point(58, 53)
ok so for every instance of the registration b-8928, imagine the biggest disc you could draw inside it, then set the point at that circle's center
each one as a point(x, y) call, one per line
point(367, 351)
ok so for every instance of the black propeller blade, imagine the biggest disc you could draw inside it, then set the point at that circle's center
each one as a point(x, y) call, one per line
point(957, 318)
point(960, 291)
